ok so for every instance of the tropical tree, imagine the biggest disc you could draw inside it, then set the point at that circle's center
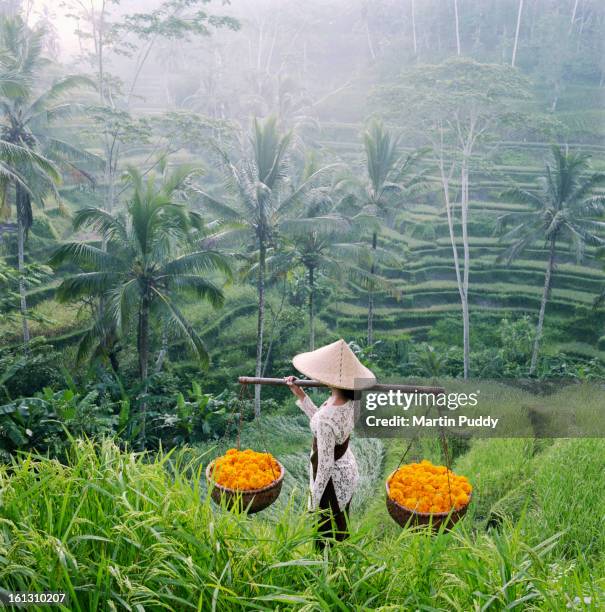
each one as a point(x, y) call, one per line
point(134, 36)
point(150, 262)
point(565, 207)
point(315, 237)
point(600, 299)
point(456, 107)
point(10, 280)
point(390, 178)
point(318, 252)
point(426, 361)
point(262, 194)
point(26, 116)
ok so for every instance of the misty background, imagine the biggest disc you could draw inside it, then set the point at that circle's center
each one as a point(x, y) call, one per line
point(318, 60)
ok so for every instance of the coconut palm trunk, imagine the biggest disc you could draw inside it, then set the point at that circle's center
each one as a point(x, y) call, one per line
point(565, 207)
point(311, 309)
point(22, 295)
point(545, 292)
point(143, 339)
point(23, 224)
point(143, 350)
point(370, 334)
point(262, 256)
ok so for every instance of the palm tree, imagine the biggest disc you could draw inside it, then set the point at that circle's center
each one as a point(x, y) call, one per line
point(26, 116)
point(600, 299)
point(150, 262)
point(564, 208)
point(318, 252)
point(390, 178)
point(313, 240)
point(426, 361)
point(262, 195)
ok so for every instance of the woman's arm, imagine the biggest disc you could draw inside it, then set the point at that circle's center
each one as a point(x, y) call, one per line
point(326, 441)
point(307, 406)
point(304, 402)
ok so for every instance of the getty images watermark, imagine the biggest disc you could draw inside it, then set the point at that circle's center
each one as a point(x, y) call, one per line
point(506, 408)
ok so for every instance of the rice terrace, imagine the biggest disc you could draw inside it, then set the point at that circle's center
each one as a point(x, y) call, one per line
point(302, 305)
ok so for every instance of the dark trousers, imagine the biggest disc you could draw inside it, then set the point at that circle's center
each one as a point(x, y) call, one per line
point(333, 522)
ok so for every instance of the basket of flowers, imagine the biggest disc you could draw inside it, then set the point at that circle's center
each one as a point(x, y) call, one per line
point(423, 494)
point(246, 480)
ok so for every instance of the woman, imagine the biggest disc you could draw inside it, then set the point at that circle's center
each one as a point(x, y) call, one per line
point(333, 471)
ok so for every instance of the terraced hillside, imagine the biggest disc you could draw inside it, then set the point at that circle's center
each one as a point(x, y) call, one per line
point(426, 276)
point(427, 279)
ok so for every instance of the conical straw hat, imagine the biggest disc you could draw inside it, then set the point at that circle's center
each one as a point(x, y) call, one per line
point(335, 365)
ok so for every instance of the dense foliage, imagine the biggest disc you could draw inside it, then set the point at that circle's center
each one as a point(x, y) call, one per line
point(117, 527)
point(190, 193)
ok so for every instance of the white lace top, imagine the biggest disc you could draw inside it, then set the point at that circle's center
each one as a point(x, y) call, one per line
point(331, 425)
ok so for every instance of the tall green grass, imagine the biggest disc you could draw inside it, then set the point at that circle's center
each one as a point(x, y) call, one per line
point(124, 531)
point(569, 481)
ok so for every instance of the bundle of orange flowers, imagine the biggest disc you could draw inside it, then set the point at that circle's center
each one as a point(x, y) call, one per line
point(424, 487)
point(245, 470)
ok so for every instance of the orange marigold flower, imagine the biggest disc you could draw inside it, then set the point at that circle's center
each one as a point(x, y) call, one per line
point(425, 487)
point(245, 470)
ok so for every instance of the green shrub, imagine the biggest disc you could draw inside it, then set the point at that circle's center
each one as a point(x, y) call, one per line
point(46, 422)
point(23, 375)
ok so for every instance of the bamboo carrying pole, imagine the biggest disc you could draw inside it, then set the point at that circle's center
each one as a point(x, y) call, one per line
point(302, 382)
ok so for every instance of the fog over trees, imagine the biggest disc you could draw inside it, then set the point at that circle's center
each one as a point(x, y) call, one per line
point(194, 191)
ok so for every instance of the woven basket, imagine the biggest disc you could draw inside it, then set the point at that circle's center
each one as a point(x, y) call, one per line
point(406, 516)
point(251, 501)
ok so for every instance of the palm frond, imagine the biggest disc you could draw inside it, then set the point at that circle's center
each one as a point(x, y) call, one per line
point(381, 154)
point(85, 256)
point(86, 345)
point(58, 90)
point(405, 168)
point(201, 287)
point(102, 222)
point(584, 186)
point(522, 196)
point(269, 147)
point(86, 284)
point(12, 85)
point(222, 209)
point(513, 251)
point(9, 175)
point(187, 330)
point(63, 151)
point(123, 302)
point(371, 281)
point(199, 261)
point(321, 225)
point(287, 204)
point(15, 156)
point(179, 177)
point(61, 112)
point(225, 233)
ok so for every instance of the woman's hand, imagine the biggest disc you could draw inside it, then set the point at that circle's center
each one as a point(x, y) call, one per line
point(296, 390)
